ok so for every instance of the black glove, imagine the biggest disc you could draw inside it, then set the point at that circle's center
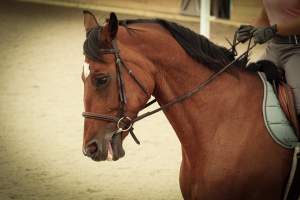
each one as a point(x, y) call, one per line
point(262, 35)
point(244, 33)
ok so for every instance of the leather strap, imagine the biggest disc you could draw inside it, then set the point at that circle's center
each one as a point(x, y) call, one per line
point(286, 99)
point(90, 115)
point(195, 90)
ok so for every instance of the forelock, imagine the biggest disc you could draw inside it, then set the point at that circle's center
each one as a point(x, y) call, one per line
point(92, 44)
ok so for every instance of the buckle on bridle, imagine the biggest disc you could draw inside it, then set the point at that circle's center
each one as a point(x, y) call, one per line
point(127, 121)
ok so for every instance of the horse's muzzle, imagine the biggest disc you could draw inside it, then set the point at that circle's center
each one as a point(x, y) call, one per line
point(105, 149)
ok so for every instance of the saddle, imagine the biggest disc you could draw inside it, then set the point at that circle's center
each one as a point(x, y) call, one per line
point(286, 98)
point(281, 118)
point(275, 76)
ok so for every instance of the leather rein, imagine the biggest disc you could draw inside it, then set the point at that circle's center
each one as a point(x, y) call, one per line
point(125, 123)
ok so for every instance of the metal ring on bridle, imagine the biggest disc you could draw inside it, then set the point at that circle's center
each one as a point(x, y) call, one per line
point(121, 121)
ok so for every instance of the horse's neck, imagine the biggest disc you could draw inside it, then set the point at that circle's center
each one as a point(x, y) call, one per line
point(201, 117)
point(197, 119)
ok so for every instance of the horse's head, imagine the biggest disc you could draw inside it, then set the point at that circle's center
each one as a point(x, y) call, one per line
point(116, 87)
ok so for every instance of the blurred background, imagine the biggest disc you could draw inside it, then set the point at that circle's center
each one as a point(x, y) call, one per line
point(41, 101)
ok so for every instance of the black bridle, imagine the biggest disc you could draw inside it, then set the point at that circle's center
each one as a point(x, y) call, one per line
point(125, 123)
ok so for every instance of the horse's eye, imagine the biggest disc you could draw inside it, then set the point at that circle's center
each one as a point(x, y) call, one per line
point(101, 81)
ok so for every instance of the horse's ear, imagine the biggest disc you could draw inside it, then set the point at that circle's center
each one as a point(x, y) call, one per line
point(110, 29)
point(90, 20)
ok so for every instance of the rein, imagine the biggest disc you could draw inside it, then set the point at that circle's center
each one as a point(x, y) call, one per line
point(125, 123)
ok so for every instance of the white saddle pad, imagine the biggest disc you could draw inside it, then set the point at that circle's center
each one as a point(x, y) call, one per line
point(275, 120)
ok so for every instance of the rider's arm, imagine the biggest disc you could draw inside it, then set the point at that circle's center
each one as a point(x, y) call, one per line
point(289, 28)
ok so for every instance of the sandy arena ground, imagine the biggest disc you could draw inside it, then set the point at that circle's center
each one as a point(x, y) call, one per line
point(41, 124)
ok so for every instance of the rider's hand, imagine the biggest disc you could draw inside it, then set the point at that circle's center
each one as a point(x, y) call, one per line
point(244, 33)
point(263, 34)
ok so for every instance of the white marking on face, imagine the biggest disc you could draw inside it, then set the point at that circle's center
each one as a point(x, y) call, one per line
point(86, 70)
point(110, 152)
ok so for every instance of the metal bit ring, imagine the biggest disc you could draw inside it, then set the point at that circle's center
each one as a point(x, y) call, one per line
point(121, 122)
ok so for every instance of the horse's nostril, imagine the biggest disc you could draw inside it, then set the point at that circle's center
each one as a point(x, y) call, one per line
point(92, 148)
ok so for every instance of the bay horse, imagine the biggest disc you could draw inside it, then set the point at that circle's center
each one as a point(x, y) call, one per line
point(227, 152)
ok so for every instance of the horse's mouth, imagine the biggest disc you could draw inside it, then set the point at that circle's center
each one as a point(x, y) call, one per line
point(111, 148)
point(115, 148)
